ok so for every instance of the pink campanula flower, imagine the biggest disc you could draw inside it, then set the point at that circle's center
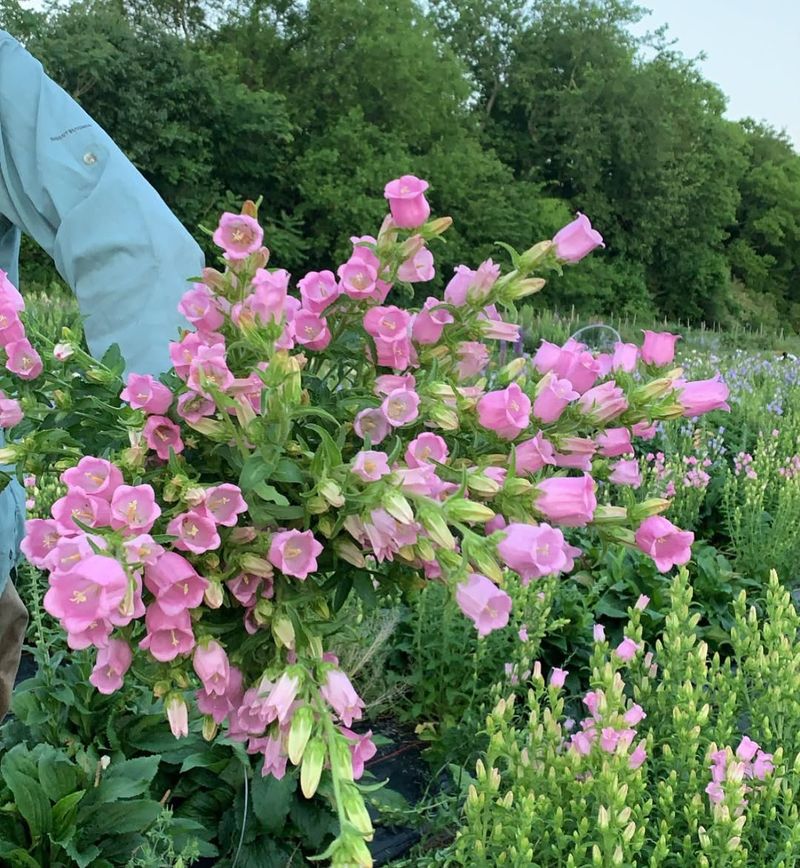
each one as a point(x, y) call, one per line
point(425, 449)
point(311, 330)
point(225, 503)
point(9, 294)
point(429, 323)
point(387, 383)
point(418, 269)
point(94, 476)
point(645, 430)
point(11, 327)
point(69, 550)
point(658, 348)
point(168, 635)
point(603, 403)
point(483, 603)
point(552, 397)
point(634, 715)
point(388, 324)
point(532, 455)
point(163, 436)
point(10, 411)
point(397, 354)
point(592, 701)
point(143, 392)
point(279, 702)
point(494, 327)
point(506, 412)
point(89, 592)
point(626, 472)
point(113, 662)
point(599, 633)
point(558, 677)
point(23, 360)
point(338, 692)
point(269, 301)
point(703, 396)
point(41, 538)
point(362, 749)
point(533, 551)
point(576, 240)
point(212, 667)
point(407, 202)
point(245, 588)
point(401, 407)
point(177, 715)
point(219, 706)
point(175, 584)
point(456, 291)
point(614, 442)
point(134, 508)
point(209, 370)
point(77, 506)
point(318, 290)
point(666, 544)
point(294, 553)
point(625, 357)
point(193, 407)
point(638, 756)
point(195, 531)
point(358, 278)
point(142, 549)
point(373, 424)
point(747, 749)
point(238, 235)
point(762, 765)
point(569, 501)
point(627, 649)
point(642, 603)
point(199, 307)
point(473, 357)
point(580, 368)
point(371, 466)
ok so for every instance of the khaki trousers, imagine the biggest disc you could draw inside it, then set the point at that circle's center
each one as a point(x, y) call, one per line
point(13, 622)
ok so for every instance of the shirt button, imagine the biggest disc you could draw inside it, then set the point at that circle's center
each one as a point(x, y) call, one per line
point(89, 158)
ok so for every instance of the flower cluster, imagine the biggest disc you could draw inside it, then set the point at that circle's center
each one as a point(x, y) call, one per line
point(316, 437)
point(748, 763)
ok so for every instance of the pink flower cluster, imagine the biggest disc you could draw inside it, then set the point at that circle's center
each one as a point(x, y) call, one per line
point(748, 763)
point(743, 465)
point(21, 358)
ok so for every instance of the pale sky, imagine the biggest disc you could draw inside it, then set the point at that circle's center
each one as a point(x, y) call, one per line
point(752, 48)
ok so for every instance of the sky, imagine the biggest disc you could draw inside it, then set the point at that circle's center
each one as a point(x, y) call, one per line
point(752, 48)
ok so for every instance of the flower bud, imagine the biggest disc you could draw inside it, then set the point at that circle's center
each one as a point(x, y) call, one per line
point(398, 507)
point(603, 818)
point(522, 288)
point(326, 525)
point(387, 234)
point(211, 428)
point(348, 551)
point(62, 399)
point(209, 728)
point(486, 564)
point(194, 496)
point(283, 631)
point(356, 811)
point(311, 769)
point(534, 255)
point(100, 375)
point(425, 550)
point(467, 510)
point(518, 487)
point(437, 227)
point(317, 505)
point(351, 853)
point(444, 418)
point(651, 506)
point(10, 454)
point(436, 526)
point(263, 612)
point(214, 595)
point(331, 492)
point(605, 514)
point(213, 279)
point(654, 389)
point(512, 370)
point(251, 563)
point(341, 760)
point(161, 689)
point(483, 485)
point(299, 733)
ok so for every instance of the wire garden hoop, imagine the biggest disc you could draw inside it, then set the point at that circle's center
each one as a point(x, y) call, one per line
point(599, 337)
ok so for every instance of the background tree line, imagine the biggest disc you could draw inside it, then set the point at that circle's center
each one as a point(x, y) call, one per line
point(519, 112)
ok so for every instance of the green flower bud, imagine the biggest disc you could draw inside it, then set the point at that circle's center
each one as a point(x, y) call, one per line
point(348, 551)
point(651, 506)
point(437, 528)
point(283, 631)
point(331, 492)
point(604, 514)
point(311, 769)
point(356, 811)
point(341, 760)
point(251, 563)
point(398, 507)
point(209, 728)
point(299, 733)
point(483, 485)
point(523, 288)
point(534, 255)
point(467, 510)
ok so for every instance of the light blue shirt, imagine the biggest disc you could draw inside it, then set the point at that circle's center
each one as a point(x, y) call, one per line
point(66, 184)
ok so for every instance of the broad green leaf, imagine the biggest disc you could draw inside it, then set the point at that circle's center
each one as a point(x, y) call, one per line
point(126, 779)
point(58, 775)
point(118, 818)
point(64, 812)
point(272, 799)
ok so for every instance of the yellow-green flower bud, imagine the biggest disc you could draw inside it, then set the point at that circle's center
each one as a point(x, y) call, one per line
point(311, 768)
point(299, 733)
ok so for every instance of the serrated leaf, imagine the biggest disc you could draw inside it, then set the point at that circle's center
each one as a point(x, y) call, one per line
point(64, 812)
point(126, 779)
point(272, 800)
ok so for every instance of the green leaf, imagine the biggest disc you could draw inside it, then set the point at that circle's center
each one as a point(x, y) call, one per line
point(82, 857)
point(270, 494)
point(64, 812)
point(126, 779)
point(314, 821)
point(203, 760)
point(118, 818)
point(255, 470)
point(29, 798)
point(362, 583)
point(288, 472)
point(58, 775)
point(16, 857)
point(272, 800)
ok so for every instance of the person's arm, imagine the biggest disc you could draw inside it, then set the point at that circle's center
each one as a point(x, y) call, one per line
point(65, 183)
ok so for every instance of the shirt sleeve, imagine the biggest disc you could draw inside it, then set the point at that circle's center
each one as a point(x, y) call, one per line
point(65, 183)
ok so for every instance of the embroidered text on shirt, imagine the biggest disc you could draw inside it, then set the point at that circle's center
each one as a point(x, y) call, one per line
point(68, 132)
